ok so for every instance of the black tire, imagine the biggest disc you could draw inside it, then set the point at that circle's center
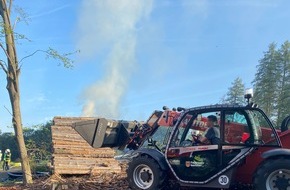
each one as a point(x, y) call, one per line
point(145, 173)
point(273, 174)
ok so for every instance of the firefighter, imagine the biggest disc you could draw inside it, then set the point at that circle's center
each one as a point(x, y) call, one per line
point(6, 159)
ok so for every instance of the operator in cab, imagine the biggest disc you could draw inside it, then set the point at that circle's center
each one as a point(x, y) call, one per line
point(212, 134)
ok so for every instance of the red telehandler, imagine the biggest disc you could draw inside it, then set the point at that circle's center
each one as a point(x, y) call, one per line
point(161, 153)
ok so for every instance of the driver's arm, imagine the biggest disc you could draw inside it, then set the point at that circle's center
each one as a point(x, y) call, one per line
point(205, 138)
point(199, 139)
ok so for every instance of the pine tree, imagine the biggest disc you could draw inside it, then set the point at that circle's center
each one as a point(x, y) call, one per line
point(265, 82)
point(283, 101)
point(235, 93)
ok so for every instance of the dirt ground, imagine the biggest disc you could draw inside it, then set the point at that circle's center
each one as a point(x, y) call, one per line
point(104, 181)
point(108, 181)
point(3, 179)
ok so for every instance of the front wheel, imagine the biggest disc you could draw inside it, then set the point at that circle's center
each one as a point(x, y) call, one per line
point(273, 175)
point(145, 173)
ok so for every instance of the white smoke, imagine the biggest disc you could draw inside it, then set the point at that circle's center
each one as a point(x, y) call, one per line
point(110, 24)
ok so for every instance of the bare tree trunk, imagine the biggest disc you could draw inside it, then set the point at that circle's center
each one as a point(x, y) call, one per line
point(13, 89)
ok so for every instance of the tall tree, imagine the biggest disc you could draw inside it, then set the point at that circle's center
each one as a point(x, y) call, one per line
point(235, 94)
point(12, 70)
point(265, 82)
point(283, 103)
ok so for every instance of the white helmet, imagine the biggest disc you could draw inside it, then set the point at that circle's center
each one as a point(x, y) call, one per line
point(8, 150)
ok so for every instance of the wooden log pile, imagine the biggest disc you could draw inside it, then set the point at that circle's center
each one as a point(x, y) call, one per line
point(73, 155)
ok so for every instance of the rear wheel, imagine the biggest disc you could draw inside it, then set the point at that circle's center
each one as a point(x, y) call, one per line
point(145, 173)
point(273, 175)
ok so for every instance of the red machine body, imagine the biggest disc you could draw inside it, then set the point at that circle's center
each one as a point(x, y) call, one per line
point(250, 151)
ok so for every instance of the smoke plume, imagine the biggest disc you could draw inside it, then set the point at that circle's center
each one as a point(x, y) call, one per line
point(110, 26)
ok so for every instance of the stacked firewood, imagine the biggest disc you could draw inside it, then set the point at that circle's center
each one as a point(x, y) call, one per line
point(73, 155)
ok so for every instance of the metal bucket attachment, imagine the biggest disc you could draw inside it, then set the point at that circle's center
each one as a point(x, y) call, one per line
point(103, 132)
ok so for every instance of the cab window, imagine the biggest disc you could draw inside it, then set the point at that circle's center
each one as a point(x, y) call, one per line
point(263, 133)
point(194, 124)
point(236, 127)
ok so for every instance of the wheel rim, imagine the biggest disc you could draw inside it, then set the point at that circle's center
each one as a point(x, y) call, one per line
point(279, 180)
point(143, 176)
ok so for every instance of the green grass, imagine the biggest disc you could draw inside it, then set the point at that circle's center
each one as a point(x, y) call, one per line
point(13, 164)
point(42, 166)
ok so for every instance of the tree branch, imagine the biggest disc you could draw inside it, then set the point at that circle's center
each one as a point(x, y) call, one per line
point(15, 22)
point(3, 67)
point(51, 53)
point(10, 5)
point(30, 55)
point(9, 59)
point(8, 111)
point(6, 53)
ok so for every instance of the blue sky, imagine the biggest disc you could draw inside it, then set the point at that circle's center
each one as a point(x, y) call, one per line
point(136, 56)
